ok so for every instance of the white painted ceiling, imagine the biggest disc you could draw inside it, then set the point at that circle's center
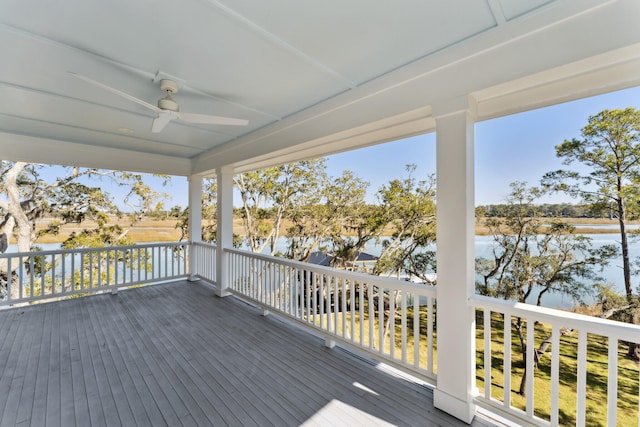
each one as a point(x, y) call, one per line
point(311, 77)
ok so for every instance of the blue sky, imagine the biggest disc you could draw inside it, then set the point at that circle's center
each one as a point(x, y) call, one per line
point(519, 147)
point(513, 148)
point(522, 146)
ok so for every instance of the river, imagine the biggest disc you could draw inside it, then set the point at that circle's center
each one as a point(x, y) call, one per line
point(611, 274)
point(483, 245)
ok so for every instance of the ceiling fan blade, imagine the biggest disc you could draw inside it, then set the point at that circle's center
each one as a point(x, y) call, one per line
point(161, 121)
point(116, 91)
point(211, 120)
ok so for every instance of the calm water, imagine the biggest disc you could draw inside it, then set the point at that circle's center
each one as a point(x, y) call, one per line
point(484, 244)
point(611, 274)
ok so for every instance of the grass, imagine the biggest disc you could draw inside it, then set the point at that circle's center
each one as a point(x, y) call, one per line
point(145, 231)
point(482, 230)
point(370, 338)
point(164, 230)
point(596, 379)
point(597, 375)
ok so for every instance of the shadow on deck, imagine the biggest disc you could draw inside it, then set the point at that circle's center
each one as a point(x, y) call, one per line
point(174, 354)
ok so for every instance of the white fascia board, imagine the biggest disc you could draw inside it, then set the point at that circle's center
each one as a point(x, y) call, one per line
point(416, 122)
point(47, 151)
point(606, 73)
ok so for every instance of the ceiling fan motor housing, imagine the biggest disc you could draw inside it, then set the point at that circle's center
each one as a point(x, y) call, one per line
point(167, 103)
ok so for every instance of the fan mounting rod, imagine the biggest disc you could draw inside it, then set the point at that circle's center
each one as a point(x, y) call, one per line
point(169, 86)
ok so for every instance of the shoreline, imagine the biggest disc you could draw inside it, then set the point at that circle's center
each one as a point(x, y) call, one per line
point(164, 230)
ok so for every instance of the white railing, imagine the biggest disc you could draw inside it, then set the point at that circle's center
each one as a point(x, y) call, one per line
point(203, 261)
point(575, 369)
point(571, 370)
point(390, 319)
point(62, 273)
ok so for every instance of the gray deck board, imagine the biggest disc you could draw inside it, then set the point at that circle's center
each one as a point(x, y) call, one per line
point(38, 401)
point(113, 399)
point(176, 355)
point(12, 381)
point(89, 376)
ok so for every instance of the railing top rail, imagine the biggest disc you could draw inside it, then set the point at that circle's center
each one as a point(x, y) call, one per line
point(205, 244)
point(605, 327)
point(80, 250)
point(385, 282)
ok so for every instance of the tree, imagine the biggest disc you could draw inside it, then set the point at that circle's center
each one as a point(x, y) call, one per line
point(531, 259)
point(268, 195)
point(334, 214)
point(409, 208)
point(26, 197)
point(310, 221)
point(352, 222)
point(609, 150)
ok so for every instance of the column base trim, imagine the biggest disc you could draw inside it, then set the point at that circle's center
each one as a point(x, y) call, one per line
point(464, 411)
point(222, 293)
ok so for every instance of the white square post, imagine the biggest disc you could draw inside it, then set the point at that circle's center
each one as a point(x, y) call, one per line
point(224, 230)
point(455, 263)
point(195, 222)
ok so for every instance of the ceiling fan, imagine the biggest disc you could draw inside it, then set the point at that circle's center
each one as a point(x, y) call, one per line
point(167, 109)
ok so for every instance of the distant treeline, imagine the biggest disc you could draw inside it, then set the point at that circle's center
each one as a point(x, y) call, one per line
point(566, 210)
point(555, 210)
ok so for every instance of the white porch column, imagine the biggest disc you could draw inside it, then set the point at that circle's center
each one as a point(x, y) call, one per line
point(455, 263)
point(195, 220)
point(224, 227)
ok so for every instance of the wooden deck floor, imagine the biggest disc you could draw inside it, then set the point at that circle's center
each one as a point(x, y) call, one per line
point(176, 355)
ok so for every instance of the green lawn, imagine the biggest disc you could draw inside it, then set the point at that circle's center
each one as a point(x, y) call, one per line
point(597, 374)
point(597, 368)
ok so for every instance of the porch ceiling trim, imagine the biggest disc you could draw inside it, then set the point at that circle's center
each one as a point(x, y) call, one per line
point(48, 151)
point(526, 63)
point(308, 89)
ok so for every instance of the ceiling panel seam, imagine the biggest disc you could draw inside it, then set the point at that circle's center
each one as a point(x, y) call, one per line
point(85, 101)
point(152, 76)
point(235, 104)
point(57, 43)
point(272, 38)
point(71, 98)
point(490, 32)
point(563, 12)
point(497, 12)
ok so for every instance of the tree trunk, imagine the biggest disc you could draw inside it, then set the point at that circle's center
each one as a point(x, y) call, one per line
point(537, 354)
point(633, 350)
point(25, 231)
point(18, 219)
point(624, 243)
point(390, 323)
point(523, 350)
